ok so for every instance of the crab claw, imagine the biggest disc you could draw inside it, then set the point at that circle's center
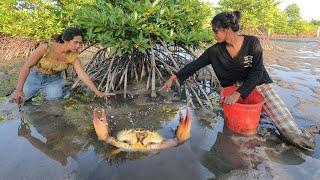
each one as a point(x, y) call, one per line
point(184, 127)
point(100, 124)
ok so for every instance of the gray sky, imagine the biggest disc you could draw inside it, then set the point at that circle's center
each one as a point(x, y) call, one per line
point(310, 9)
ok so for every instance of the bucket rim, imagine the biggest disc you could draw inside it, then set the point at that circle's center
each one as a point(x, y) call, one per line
point(246, 105)
point(239, 104)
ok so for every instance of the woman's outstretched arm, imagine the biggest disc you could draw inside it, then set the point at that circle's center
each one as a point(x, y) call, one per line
point(86, 79)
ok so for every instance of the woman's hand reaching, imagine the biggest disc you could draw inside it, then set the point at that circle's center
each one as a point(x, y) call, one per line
point(232, 98)
point(167, 85)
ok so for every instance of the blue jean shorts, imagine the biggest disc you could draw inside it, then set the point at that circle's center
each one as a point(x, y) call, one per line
point(50, 85)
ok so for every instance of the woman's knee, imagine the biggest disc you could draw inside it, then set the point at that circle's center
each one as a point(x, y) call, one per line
point(53, 94)
point(53, 90)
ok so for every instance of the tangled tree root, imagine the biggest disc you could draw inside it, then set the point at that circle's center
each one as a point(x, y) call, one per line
point(113, 73)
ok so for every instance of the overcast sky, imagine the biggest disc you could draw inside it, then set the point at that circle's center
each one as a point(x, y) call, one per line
point(309, 9)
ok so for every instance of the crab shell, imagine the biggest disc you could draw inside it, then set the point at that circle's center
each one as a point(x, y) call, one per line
point(134, 136)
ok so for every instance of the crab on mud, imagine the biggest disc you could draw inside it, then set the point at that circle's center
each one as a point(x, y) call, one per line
point(139, 139)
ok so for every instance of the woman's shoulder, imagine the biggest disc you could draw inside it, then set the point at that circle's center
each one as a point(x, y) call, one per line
point(43, 46)
point(41, 49)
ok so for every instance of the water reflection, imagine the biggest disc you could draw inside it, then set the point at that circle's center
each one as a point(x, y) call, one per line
point(234, 155)
point(53, 135)
point(232, 152)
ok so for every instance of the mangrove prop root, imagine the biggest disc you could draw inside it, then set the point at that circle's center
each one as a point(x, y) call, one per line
point(113, 73)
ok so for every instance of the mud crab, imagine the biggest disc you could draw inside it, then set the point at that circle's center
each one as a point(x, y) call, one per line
point(139, 139)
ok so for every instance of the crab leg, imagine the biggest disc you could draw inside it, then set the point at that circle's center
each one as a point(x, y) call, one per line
point(100, 125)
point(184, 127)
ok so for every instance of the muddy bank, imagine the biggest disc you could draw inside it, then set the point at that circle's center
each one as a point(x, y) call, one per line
point(295, 70)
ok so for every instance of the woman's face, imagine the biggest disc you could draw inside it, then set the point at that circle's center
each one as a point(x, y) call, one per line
point(74, 44)
point(219, 34)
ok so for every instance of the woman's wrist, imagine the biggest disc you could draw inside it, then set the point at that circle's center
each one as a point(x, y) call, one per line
point(96, 91)
point(18, 90)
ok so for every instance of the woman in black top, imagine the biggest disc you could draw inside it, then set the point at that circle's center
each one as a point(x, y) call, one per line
point(238, 59)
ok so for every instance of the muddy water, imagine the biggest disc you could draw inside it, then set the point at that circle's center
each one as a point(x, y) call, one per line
point(56, 140)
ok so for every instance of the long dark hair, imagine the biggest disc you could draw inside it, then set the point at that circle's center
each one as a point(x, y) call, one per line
point(227, 19)
point(68, 34)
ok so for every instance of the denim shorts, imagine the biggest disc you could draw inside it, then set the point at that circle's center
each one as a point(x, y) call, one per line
point(50, 85)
